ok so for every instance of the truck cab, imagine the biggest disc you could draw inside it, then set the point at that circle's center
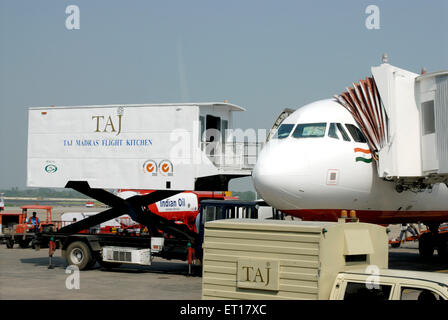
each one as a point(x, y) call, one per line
point(390, 285)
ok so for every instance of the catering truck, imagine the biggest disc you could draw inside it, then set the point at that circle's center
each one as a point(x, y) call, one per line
point(168, 148)
point(253, 259)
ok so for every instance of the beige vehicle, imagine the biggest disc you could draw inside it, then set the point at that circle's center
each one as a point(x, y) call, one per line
point(248, 259)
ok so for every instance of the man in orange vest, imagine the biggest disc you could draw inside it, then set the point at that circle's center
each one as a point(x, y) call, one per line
point(34, 220)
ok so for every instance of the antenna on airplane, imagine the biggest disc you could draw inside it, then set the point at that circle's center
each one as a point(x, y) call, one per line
point(385, 58)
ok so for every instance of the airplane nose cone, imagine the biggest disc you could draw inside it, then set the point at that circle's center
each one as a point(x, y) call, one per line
point(273, 174)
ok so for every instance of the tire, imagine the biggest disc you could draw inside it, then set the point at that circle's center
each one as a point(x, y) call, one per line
point(395, 245)
point(442, 247)
point(10, 243)
point(79, 254)
point(426, 245)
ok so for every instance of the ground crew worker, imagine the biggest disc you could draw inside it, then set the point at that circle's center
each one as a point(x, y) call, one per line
point(34, 220)
point(51, 250)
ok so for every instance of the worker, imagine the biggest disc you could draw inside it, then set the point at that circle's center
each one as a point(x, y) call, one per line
point(34, 220)
point(51, 250)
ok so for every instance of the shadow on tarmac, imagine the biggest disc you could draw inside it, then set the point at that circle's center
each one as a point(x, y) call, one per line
point(412, 261)
point(167, 268)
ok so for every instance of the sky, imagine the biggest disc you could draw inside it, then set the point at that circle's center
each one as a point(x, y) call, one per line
point(261, 55)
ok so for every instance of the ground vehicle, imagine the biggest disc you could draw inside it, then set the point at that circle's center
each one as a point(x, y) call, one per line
point(305, 260)
point(163, 237)
point(7, 222)
point(181, 208)
point(2, 203)
point(426, 241)
point(18, 230)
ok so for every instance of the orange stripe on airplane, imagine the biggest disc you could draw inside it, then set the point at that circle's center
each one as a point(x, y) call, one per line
point(363, 150)
point(371, 216)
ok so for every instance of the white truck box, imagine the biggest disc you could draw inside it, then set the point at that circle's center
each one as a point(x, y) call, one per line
point(125, 146)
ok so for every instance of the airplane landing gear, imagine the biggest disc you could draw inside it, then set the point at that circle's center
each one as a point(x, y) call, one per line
point(426, 245)
point(429, 241)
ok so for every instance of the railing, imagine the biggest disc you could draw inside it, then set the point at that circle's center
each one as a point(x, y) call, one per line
point(232, 155)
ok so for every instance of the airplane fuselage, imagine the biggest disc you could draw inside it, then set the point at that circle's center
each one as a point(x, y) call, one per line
point(319, 164)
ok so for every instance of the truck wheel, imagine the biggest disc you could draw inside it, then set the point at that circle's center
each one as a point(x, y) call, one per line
point(442, 248)
point(78, 253)
point(9, 243)
point(426, 245)
point(24, 243)
point(395, 244)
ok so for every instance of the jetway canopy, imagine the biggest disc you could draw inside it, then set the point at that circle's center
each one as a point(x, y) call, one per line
point(146, 146)
point(404, 116)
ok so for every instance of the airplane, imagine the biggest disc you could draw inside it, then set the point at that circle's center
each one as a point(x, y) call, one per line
point(319, 163)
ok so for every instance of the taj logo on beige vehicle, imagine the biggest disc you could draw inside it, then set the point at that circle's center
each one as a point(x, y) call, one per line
point(258, 274)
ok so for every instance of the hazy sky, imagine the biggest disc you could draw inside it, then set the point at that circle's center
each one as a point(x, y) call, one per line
point(261, 55)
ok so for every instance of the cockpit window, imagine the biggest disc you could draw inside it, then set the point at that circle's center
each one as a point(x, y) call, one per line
point(357, 135)
point(310, 130)
point(343, 132)
point(336, 131)
point(332, 131)
point(283, 131)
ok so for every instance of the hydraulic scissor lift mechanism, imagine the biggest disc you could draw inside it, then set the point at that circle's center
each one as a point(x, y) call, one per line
point(404, 117)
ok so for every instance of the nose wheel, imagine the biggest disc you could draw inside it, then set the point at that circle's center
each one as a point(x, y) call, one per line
point(430, 241)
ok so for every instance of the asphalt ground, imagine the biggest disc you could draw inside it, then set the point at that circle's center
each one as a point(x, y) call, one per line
point(24, 274)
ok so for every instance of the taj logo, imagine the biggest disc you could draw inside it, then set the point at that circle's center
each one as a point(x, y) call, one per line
point(258, 274)
point(50, 168)
point(109, 123)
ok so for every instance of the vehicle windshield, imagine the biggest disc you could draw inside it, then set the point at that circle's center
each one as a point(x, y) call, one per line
point(283, 131)
point(310, 130)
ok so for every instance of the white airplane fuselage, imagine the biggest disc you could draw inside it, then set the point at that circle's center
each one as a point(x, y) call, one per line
point(317, 170)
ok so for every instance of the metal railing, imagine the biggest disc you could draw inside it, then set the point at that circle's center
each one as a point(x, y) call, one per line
point(233, 155)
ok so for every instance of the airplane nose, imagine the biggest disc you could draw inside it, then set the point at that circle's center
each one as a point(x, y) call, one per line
point(272, 174)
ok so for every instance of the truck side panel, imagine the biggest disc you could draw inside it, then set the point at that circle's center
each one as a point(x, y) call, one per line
point(113, 147)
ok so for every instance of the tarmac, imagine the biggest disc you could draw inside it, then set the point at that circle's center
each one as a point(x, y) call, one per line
point(24, 274)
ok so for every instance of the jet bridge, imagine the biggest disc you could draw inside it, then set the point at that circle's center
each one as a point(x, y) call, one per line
point(186, 146)
point(404, 117)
